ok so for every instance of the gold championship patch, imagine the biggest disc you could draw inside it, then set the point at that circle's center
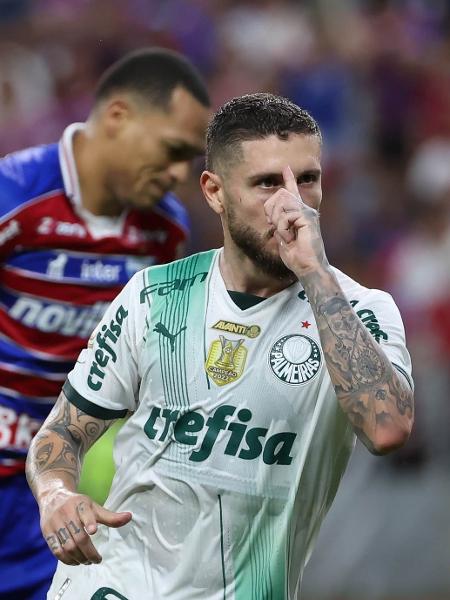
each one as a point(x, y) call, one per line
point(226, 360)
point(250, 331)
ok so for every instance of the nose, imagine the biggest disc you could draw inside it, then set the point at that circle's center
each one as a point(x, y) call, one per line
point(179, 171)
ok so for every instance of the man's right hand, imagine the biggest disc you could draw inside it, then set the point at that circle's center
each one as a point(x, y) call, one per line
point(68, 519)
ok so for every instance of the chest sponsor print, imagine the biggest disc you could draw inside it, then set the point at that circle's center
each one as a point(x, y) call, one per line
point(232, 425)
point(295, 359)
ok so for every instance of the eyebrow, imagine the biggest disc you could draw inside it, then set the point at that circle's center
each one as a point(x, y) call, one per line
point(278, 175)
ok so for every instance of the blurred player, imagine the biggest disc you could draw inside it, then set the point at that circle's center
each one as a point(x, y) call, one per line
point(247, 371)
point(77, 220)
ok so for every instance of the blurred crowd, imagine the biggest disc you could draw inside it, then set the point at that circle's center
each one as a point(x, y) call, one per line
point(376, 76)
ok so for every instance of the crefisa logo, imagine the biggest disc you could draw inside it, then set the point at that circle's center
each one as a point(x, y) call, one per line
point(295, 359)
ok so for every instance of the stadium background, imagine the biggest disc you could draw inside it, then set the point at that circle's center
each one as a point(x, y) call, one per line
point(376, 75)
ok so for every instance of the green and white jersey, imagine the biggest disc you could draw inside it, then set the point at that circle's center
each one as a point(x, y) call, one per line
point(236, 442)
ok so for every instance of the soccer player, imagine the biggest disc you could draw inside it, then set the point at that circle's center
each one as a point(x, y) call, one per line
point(247, 371)
point(77, 220)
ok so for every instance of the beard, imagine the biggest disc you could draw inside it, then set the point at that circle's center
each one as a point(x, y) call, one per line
point(253, 245)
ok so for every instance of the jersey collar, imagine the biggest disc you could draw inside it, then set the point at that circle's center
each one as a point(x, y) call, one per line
point(98, 225)
point(68, 166)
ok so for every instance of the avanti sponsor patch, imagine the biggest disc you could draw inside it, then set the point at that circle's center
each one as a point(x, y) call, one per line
point(295, 359)
point(251, 331)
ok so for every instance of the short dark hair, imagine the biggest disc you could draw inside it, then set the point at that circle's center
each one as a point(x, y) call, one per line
point(252, 117)
point(152, 74)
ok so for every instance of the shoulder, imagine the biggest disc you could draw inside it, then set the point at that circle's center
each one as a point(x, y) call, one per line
point(161, 281)
point(28, 174)
point(179, 275)
point(376, 308)
point(357, 293)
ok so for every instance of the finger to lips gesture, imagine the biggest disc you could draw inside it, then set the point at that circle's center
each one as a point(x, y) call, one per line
point(70, 526)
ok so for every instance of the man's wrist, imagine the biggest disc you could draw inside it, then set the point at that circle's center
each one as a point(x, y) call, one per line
point(58, 484)
point(321, 277)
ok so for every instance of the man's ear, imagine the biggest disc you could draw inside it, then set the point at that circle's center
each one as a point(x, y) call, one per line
point(116, 113)
point(212, 189)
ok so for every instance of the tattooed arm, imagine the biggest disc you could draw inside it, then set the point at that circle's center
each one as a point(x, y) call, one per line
point(53, 470)
point(376, 398)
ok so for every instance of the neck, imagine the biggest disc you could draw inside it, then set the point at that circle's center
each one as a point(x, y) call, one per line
point(89, 164)
point(240, 274)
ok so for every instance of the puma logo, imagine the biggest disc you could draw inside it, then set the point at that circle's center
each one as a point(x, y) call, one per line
point(162, 329)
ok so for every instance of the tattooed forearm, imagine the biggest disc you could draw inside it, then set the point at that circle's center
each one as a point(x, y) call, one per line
point(376, 399)
point(62, 442)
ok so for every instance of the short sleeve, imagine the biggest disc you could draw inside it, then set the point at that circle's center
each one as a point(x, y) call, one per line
point(105, 380)
point(380, 315)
